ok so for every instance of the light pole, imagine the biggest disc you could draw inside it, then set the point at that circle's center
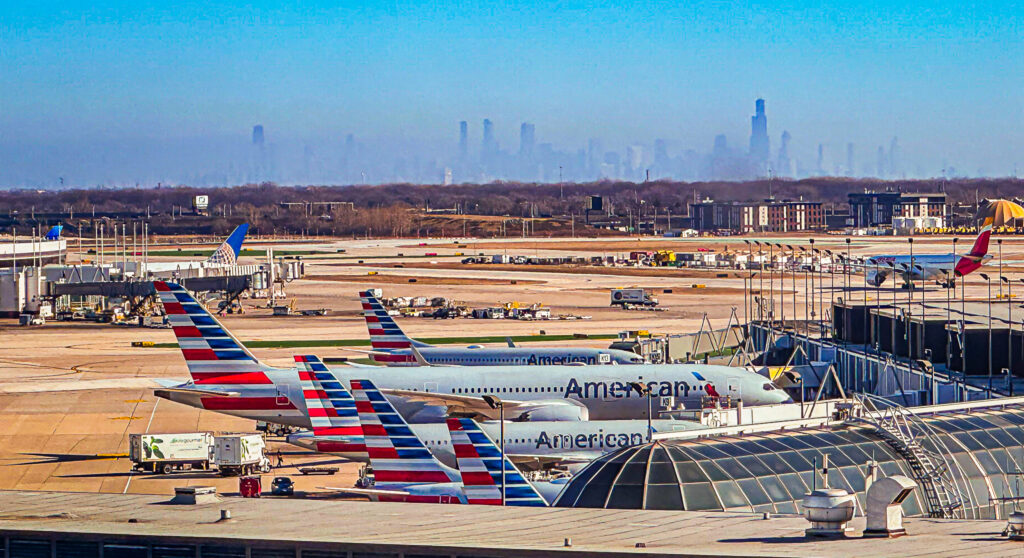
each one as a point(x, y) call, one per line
point(792, 254)
point(1009, 330)
point(999, 243)
point(989, 304)
point(496, 403)
point(644, 390)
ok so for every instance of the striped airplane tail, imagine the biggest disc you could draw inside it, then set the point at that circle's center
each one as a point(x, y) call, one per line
point(397, 455)
point(384, 331)
point(331, 408)
point(212, 354)
point(480, 465)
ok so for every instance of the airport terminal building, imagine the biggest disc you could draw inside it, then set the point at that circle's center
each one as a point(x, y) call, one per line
point(966, 459)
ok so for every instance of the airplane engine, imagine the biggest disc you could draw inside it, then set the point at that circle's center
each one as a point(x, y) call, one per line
point(874, 278)
point(554, 410)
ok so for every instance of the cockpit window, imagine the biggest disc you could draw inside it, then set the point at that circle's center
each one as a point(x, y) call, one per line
point(769, 387)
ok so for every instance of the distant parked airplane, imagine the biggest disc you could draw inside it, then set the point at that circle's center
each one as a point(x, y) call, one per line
point(392, 346)
point(225, 255)
point(928, 267)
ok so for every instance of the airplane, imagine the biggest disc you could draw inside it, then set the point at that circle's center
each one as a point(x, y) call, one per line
point(227, 378)
point(927, 267)
point(531, 445)
point(392, 346)
point(225, 255)
point(404, 470)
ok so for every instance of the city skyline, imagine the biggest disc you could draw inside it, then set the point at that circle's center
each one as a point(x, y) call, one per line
point(136, 92)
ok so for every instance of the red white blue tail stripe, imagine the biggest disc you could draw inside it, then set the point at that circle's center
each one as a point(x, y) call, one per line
point(385, 335)
point(480, 465)
point(213, 356)
point(331, 408)
point(396, 454)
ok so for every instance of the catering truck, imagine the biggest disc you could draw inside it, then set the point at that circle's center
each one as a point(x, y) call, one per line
point(167, 453)
point(240, 454)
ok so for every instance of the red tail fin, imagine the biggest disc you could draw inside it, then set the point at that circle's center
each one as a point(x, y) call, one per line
point(980, 247)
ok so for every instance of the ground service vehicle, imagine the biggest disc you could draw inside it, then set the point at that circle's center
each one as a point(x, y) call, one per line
point(240, 454)
point(166, 453)
point(632, 297)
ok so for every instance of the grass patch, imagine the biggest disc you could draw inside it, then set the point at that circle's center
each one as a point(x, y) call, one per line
point(295, 344)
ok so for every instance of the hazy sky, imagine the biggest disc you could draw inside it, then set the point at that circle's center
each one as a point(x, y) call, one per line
point(946, 77)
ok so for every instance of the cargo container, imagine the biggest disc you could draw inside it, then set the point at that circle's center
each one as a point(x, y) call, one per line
point(240, 454)
point(632, 297)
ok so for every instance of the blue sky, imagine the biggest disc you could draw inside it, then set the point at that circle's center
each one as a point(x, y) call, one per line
point(946, 77)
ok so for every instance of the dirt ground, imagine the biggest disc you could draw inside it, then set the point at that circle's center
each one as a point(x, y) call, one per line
point(71, 393)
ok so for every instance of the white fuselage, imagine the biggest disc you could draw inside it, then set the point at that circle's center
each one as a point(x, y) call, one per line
point(577, 441)
point(604, 390)
point(538, 356)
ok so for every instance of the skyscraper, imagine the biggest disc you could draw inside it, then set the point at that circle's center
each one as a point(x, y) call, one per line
point(784, 165)
point(257, 135)
point(488, 146)
point(760, 148)
point(526, 140)
point(849, 160)
point(463, 139)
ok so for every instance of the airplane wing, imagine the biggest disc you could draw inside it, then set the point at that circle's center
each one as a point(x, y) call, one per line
point(540, 462)
point(511, 344)
point(197, 391)
point(461, 404)
point(364, 491)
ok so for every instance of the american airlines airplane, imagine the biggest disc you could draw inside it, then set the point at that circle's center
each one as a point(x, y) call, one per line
point(227, 378)
point(532, 445)
point(404, 470)
point(927, 267)
point(392, 346)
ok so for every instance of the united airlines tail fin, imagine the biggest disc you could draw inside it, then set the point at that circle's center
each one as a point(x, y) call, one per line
point(331, 408)
point(480, 464)
point(384, 332)
point(54, 233)
point(213, 355)
point(227, 252)
point(397, 455)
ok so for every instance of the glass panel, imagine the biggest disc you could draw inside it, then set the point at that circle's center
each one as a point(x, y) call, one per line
point(753, 491)
point(987, 463)
point(663, 497)
point(733, 468)
point(659, 455)
point(633, 473)
point(1003, 437)
point(986, 439)
point(786, 507)
point(854, 476)
point(837, 458)
point(700, 496)
point(855, 454)
point(775, 463)
point(1016, 433)
point(968, 441)
point(688, 471)
point(661, 473)
point(754, 465)
point(713, 471)
point(707, 451)
point(795, 442)
point(776, 491)
point(795, 486)
point(731, 495)
point(967, 464)
point(626, 497)
point(796, 461)
point(773, 444)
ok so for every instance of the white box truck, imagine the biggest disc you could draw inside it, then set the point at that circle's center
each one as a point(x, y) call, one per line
point(632, 297)
point(166, 453)
point(240, 454)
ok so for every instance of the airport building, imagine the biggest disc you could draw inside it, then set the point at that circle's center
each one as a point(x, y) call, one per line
point(766, 216)
point(966, 459)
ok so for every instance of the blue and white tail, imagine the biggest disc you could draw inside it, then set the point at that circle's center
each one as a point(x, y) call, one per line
point(480, 465)
point(213, 355)
point(397, 455)
point(384, 332)
point(227, 253)
point(331, 408)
